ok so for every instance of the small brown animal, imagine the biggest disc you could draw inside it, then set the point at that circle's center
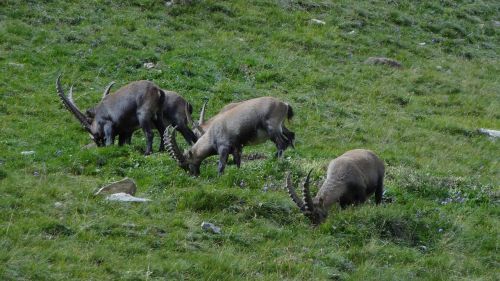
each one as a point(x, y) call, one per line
point(138, 104)
point(247, 123)
point(351, 178)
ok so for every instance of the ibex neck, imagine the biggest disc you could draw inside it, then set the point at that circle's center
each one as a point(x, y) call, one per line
point(203, 148)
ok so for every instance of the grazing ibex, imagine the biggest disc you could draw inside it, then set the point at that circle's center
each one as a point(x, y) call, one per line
point(250, 122)
point(350, 179)
point(138, 104)
point(176, 112)
point(200, 127)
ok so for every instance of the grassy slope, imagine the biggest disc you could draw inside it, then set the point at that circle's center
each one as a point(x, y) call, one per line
point(421, 120)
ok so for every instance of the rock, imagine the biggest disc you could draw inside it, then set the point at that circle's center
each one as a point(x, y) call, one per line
point(126, 185)
point(489, 132)
point(28, 152)
point(124, 197)
point(317, 21)
point(20, 65)
point(90, 145)
point(149, 65)
point(58, 205)
point(210, 227)
point(254, 156)
point(496, 23)
point(382, 60)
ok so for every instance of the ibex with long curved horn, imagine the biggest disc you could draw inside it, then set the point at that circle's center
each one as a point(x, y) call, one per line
point(250, 122)
point(351, 178)
point(176, 112)
point(138, 104)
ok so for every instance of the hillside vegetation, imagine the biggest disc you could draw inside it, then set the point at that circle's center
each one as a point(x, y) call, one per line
point(440, 217)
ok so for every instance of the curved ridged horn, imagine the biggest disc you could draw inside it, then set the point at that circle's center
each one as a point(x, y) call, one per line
point(308, 203)
point(172, 147)
point(70, 105)
point(291, 192)
point(202, 114)
point(106, 91)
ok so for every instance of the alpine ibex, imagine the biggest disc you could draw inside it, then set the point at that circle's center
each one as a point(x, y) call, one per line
point(176, 112)
point(250, 122)
point(138, 104)
point(351, 178)
point(200, 127)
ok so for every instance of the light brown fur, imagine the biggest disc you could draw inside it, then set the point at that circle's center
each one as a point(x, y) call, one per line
point(351, 178)
point(245, 123)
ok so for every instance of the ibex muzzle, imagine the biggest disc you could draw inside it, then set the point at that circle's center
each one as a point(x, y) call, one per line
point(351, 178)
point(250, 122)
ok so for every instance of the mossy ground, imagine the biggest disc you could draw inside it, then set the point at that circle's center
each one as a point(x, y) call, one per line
point(442, 176)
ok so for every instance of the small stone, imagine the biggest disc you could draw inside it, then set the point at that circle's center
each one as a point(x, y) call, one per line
point(28, 152)
point(352, 32)
point(149, 65)
point(36, 174)
point(496, 23)
point(90, 145)
point(422, 248)
point(210, 227)
point(382, 60)
point(58, 153)
point(58, 205)
point(20, 65)
point(317, 21)
point(489, 132)
point(124, 197)
point(422, 44)
point(440, 230)
point(125, 185)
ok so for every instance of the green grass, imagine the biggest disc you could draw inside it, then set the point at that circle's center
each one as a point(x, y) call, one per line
point(442, 176)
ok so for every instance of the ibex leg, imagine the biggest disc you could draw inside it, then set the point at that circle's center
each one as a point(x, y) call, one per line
point(145, 122)
point(223, 155)
point(160, 126)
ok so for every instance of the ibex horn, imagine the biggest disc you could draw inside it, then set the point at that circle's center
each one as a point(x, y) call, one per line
point(291, 192)
point(202, 114)
point(106, 91)
point(70, 105)
point(172, 147)
point(308, 203)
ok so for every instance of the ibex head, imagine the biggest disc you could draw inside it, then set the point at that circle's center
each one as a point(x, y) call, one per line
point(187, 161)
point(308, 206)
point(86, 120)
